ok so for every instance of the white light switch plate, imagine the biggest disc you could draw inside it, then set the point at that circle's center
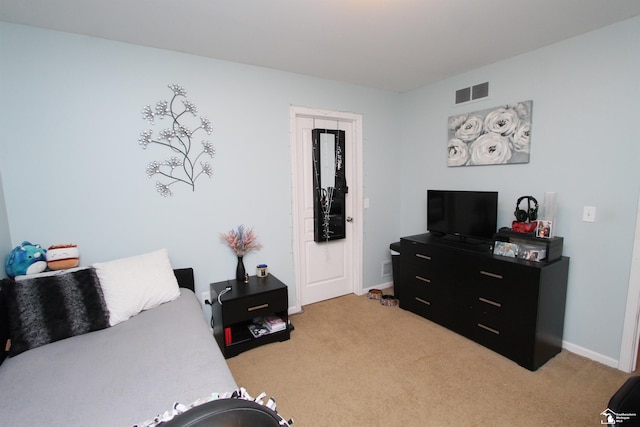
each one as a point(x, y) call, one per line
point(589, 214)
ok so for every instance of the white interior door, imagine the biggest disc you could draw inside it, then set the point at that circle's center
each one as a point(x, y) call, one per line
point(333, 268)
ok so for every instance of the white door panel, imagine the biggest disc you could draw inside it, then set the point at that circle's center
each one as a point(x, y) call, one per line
point(325, 269)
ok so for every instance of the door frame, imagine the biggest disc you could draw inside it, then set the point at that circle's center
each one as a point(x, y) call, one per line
point(355, 190)
point(630, 330)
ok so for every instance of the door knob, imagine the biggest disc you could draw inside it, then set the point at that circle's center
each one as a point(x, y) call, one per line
point(349, 219)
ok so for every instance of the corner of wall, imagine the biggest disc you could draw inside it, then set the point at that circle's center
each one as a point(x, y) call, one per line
point(5, 235)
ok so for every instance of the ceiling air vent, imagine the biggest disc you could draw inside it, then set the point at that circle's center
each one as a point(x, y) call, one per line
point(463, 95)
point(475, 92)
point(480, 91)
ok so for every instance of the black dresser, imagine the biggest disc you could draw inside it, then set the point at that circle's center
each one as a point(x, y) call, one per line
point(512, 306)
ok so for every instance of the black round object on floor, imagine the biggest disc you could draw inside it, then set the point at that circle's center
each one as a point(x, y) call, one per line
point(226, 413)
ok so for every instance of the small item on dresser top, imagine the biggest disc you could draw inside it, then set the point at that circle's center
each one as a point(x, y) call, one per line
point(246, 278)
point(262, 270)
point(524, 227)
point(389, 300)
point(526, 219)
point(374, 294)
point(62, 257)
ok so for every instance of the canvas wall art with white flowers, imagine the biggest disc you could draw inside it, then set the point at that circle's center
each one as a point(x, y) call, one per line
point(498, 135)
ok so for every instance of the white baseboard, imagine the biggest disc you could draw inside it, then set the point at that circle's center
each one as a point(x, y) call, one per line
point(590, 354)
point(380, 286)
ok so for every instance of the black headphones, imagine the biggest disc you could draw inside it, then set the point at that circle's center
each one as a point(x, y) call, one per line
point(531, 214)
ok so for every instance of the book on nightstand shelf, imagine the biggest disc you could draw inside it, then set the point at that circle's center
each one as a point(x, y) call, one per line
point(266, 325)
point(274, 323)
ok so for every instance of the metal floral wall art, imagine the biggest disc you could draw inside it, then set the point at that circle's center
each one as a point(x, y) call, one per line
point(179, 138)
point(493, 136)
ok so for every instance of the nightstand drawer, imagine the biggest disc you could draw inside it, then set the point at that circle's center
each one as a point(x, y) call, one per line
point(242, 309)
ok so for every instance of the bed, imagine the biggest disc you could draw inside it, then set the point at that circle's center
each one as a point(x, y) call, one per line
point(120, 375)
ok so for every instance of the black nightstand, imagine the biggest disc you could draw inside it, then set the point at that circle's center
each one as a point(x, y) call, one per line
point(262, 296)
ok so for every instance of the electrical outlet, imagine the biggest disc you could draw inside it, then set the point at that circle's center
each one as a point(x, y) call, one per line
point(206, 296)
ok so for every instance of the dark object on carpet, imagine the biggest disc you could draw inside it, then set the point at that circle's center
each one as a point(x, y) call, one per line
point(624, 406)
point(226, 412)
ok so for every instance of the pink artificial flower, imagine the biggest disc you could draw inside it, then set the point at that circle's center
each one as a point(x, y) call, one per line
point(241, 241)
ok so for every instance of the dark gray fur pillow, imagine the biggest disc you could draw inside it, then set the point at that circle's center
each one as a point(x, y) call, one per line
point(49, 308)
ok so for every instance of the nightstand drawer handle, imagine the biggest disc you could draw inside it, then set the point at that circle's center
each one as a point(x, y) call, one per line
point(494, 275)
point(257, 307)
point(427, 257)
point(423, 301)
point(488, 301)
point(486, 328)
point(423, 279)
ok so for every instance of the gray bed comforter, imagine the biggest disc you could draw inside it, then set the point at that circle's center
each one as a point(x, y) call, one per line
point(118, 376)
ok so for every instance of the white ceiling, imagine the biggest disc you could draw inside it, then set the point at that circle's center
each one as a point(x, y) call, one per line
point(397, 45)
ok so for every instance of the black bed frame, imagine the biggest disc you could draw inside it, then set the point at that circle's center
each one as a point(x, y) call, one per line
point(185, 278)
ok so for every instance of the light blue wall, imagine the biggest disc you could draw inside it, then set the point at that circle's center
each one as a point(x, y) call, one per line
point(585, 147)
point(74, 172)
point(5, 235)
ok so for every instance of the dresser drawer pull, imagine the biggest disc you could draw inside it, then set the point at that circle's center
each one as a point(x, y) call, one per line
point(494, 275)
point(423, 301)
point(423, 279)
point(486, 328)
point(257, 307)
point(427, 257)
point(488, 301)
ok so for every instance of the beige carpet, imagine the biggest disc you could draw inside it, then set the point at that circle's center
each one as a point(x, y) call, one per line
point(353, 362)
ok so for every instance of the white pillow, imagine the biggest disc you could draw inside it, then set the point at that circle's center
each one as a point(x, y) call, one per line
point(136, 283)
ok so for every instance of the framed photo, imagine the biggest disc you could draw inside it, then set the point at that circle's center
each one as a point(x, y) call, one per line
point(532, 253)
point(544, 229)
point(507, 249)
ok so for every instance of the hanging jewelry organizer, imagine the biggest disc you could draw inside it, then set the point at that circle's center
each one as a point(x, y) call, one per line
point(330, 186)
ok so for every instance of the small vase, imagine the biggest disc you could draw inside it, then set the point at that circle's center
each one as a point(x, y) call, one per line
point(240, 271)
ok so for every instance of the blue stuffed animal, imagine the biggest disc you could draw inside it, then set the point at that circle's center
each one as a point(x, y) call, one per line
point(25, 259)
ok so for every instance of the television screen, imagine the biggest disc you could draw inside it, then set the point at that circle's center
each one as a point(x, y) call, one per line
point(472, 214)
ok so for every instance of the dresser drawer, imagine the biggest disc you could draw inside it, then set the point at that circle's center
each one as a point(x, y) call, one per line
point(427, 310)
point(491, 289)
point(419, 276)
point(489, 337)
point(425, 303)
point(415, 300)
point(433, 281)
point(419, 254)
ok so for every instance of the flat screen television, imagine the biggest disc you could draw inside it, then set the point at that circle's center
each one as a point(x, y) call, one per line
point(466, 214)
